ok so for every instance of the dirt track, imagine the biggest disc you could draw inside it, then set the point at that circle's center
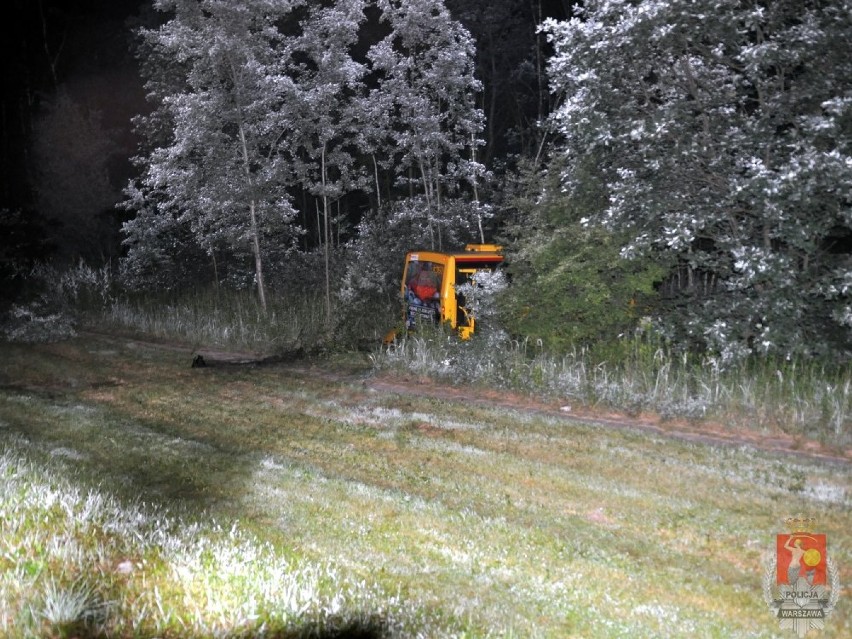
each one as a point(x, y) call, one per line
point(698, 432)
point(701, 433)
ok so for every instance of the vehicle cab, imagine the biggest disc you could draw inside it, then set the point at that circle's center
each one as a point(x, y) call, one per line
point(429, 284)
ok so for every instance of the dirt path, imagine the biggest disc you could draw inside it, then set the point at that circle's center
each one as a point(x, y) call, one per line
point(704, 432)
point(700, 433)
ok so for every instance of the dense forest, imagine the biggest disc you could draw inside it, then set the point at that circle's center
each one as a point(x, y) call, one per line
point(667, 166)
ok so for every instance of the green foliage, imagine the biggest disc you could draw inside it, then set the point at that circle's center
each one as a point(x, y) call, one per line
point(221, 174)
point(52, 299)
point(570, 284)
point(575, 289)
point(722, 136)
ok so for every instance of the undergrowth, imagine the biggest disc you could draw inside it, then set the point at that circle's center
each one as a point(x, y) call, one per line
point(61, 300)
point(637, 375)
point(228, 318)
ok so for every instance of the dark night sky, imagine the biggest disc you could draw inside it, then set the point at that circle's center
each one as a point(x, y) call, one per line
point(78, 46)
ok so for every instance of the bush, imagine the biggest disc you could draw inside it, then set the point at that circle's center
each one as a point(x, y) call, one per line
point(53, 299)
point(570, 283)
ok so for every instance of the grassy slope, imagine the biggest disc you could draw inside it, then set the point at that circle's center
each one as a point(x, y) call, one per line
point(451, 516)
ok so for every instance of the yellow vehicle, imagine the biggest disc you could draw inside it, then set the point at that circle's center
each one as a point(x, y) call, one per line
point(429, 284)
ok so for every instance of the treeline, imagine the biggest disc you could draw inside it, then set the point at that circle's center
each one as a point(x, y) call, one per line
point(677, 168)
point(701, 177)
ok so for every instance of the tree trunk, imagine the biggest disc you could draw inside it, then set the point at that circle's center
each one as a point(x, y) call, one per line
point(52, 60)
point(253, 229)
point(378, 188)
point(258, 263)
point(427, 192)
point(476, 190)
point(439, 212)
point(254, 232)
point(215, 271)
point(326, 242)
point(541, 81)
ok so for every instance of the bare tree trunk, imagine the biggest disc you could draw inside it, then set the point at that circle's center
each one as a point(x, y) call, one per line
point(439, 212)
point(52, 60)
point(378, 188)
point(258, 263)
point(476, 190)
point(216, 278)
point(253, 228)
point(306, 220)
point(539, 64)
point(254, 231)
point(492, 103)
point(319, 221)
point(325, 213)
point(427, 191)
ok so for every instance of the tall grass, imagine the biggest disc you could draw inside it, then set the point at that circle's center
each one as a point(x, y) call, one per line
point(225, 318)
point(637, 375)
point(59, 300)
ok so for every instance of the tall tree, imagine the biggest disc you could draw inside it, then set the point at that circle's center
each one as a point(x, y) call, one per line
point(261, 100)
point(328, 86)
point(723, 136)
point(424, 69)
point(217, 78)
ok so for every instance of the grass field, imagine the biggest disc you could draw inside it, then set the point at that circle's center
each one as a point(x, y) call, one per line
point(143, 498)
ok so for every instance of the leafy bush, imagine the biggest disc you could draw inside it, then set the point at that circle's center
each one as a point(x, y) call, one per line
point(570, 284)
point(36, 323)
point(52, 300)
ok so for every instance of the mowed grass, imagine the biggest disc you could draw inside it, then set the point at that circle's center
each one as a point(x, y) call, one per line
point(144, 498)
